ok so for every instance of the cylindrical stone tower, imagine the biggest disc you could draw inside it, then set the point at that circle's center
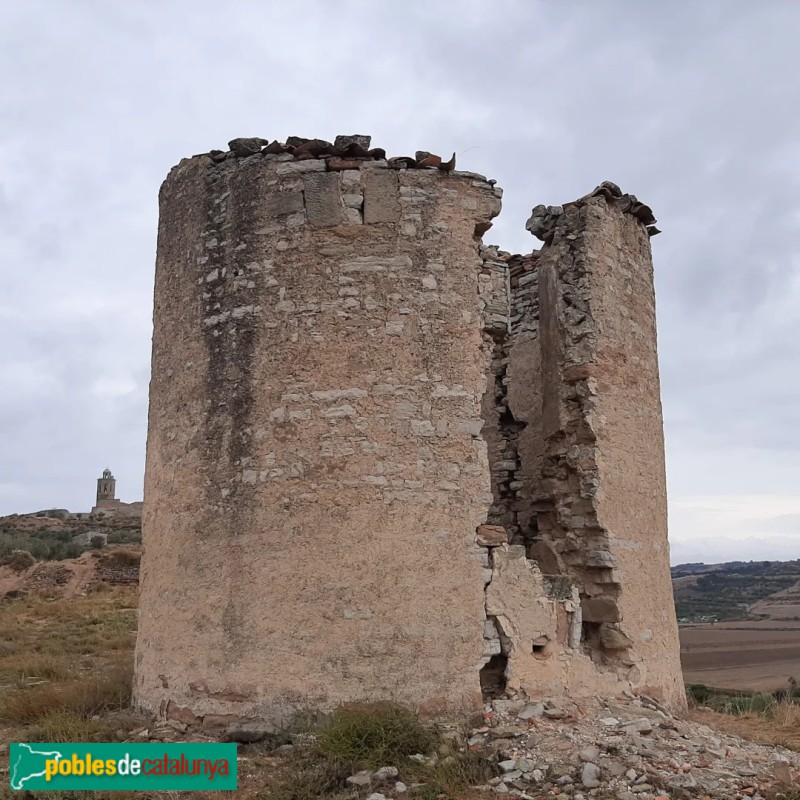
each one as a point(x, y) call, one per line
point(385, 462)
point(315, 467)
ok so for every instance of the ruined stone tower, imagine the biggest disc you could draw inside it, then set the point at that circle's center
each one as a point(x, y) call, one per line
point(387, 462)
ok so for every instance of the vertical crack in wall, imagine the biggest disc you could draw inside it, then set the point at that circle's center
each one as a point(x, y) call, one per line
point(493, 298)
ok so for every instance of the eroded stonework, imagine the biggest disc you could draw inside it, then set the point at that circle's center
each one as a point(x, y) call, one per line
point(576, 448)
point(387, 462)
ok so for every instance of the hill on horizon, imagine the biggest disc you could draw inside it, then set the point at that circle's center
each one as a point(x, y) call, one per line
point(737, 590)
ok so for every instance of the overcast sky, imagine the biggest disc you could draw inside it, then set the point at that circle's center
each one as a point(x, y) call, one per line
point(693, 106)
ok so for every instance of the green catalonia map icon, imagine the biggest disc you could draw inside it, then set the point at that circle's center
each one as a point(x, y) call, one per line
point(29, 762)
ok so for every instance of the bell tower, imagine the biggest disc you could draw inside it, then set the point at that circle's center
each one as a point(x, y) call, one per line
point(106, 489)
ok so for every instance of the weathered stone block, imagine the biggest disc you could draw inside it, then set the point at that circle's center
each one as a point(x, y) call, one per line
point(545, 556)
point(612, 638)
point(336, 164)
point(281, 204)
point(599, 558)
point(295, 167)
point(181, 714)
point(491, 535)
point(355, 138)
point(219, 721)
point(244, 147)
point(248, 731)
point(381, 192)
point(600, 609)
point(323, 201)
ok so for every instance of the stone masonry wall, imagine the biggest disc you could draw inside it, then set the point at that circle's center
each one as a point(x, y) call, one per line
point(315, 470)
point(577, 457)
point(387, 462)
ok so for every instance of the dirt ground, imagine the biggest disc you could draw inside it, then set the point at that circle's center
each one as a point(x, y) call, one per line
point(74, 577)
point(756, 656)
point(784, 605)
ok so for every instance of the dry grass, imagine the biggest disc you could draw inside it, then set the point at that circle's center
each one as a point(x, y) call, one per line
point(65, 726)
point(65, 669)
point(65, 631)
point(110, 690)
point(24, 668)
point(63, 662)
point(779, 725)
point(758, 716)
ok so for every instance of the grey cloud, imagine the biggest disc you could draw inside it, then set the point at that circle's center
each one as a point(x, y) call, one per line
point(783, 548)
point(784, 524)
point(694, 107)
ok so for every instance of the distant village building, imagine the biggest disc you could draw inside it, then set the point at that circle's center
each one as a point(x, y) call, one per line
point(106, 501)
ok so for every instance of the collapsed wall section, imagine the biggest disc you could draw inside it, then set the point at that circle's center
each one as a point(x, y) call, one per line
point(315, 466)
point(580, 592)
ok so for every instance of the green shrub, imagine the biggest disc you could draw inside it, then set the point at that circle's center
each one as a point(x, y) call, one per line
point(132, 536)
point(374, 735)
point(44, 545)
point(371, 736)
point(18, 560)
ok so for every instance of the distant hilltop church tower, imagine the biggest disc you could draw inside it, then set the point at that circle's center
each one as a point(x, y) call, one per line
point(387, 462)
point(106, 501)
point(106, 489)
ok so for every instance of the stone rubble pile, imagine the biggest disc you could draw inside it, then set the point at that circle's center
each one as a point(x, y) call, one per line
point(116, 574)
point(631, 748)
point(626, 749)
point(48, 577)
point(346, 152)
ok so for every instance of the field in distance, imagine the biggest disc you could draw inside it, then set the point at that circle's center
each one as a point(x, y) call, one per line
point(739, 623)
point(755, 656)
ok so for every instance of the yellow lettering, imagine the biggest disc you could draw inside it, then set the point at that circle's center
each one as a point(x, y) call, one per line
point(111, 767)
point(50, 768)
point(76, 766)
